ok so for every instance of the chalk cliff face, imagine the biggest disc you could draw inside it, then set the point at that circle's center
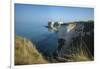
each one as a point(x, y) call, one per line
point(26, 52)
point(75, 42)
point(78, 42)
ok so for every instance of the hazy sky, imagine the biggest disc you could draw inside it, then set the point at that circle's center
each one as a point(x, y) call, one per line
point(42, 13)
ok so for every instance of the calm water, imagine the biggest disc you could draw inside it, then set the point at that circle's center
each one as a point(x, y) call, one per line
point(45, 40)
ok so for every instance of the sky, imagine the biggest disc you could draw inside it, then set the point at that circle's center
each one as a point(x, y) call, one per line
point(45, 13)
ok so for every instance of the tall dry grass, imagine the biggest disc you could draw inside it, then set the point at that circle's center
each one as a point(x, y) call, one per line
point(26, 52)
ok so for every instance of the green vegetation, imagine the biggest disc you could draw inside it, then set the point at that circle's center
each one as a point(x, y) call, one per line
point(56, 24)
point(26, 52)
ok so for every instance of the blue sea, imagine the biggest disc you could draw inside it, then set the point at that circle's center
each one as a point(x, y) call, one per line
point(46, 41)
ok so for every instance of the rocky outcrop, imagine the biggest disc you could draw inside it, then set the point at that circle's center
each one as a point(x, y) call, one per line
point(76, 44)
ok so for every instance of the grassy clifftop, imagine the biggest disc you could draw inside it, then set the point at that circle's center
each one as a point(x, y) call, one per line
point(26, 52)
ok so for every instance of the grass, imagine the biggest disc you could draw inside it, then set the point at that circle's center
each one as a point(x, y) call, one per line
point(81, 54)
point(26, 52)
